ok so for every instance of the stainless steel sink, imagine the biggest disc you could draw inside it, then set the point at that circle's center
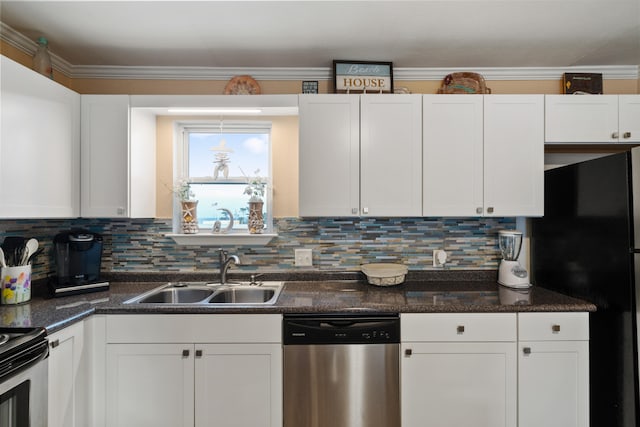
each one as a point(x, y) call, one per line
point(212, 294)
point(244, 295)
point(173, 295)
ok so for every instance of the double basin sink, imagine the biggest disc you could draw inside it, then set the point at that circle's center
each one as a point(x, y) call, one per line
point(214, 294)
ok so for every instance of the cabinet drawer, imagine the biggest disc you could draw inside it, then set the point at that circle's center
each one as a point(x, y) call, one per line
point(456, 327)
point(198, 328)
point(553, 326)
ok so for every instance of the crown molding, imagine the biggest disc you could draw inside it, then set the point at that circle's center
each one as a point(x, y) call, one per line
point(19, 41)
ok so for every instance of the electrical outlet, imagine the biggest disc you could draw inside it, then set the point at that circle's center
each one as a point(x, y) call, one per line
point(303, 258)
point(439, 258)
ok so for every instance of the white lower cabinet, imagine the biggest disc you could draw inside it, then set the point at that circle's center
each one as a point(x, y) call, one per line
point(459, 369)
point(553, 369)
point(184, 370)
point(66, 386)
point(495, 369)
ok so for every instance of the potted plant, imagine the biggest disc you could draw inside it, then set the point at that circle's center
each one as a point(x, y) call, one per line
point(255, 189)
point(189, 206)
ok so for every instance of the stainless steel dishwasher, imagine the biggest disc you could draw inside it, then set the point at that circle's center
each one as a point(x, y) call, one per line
point(341, 371)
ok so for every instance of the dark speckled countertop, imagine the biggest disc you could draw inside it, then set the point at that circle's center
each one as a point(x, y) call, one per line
point(441, 292)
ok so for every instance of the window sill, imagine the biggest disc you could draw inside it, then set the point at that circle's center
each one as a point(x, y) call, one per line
point(207, 239)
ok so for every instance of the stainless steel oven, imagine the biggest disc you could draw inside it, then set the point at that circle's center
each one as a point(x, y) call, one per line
point(23, 377)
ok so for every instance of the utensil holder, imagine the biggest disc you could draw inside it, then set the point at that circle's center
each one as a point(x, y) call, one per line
point(16, 284)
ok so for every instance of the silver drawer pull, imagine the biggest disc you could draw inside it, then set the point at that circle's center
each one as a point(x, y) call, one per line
point(55, 343)
point(489, 209)
point(626, 135)
point(478, 210)
point(615, 135)
point(198, 353)
point(460, 329)
point(526, 350)
point(555, 329)
point(408, 352)
point(185, 353)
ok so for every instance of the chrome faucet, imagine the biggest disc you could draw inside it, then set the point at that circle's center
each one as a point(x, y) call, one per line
point(225, 262)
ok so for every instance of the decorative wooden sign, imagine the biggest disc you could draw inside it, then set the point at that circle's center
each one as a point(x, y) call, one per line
point(362, 76)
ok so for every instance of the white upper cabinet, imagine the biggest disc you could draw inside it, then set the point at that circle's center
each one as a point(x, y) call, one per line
point(118, 158)
point(360, 155)
point(592, 118)
point(483, 155)
point(629, 118)
point(39, 145)
point(391, 155)
point(453, 155)
point(329, 177)
point(514, 155)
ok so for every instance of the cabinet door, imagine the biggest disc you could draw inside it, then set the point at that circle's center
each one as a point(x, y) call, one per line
point(65, 377)
point(581, 119)
point(629, 118)
point(514, 155)
point(553, 384)
point(459, 384)
point(452, 155)
point(104, 140)
point(149, 385)
point(391, 155)
point(39, 145)
point(329, 150)
point(238, 385)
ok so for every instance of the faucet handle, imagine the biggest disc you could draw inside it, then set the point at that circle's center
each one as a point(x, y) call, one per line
point(253, 279)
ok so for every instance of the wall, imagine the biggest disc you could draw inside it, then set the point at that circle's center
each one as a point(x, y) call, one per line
point(139, 245)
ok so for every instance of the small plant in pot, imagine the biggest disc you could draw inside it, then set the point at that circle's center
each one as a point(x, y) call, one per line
point(255, 189)
point(189, 206)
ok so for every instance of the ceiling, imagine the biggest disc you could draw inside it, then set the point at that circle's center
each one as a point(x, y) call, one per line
point(449, 34)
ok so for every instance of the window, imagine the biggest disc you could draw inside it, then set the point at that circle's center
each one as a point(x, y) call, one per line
point(218, 159)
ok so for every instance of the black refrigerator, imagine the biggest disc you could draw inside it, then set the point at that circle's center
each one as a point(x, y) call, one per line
point(586, 246)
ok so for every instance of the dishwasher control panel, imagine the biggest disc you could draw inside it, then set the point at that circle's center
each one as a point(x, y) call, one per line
point(341, 329)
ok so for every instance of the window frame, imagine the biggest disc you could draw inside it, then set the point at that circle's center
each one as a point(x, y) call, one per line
point(182, 128)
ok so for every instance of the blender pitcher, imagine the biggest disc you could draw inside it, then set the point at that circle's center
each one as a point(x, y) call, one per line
point(511, 273)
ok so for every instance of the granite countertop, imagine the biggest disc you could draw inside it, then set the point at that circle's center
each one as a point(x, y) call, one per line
point(327, 293)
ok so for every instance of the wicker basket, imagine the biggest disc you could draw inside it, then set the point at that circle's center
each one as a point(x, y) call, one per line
point(383, 274)
point(464, 83)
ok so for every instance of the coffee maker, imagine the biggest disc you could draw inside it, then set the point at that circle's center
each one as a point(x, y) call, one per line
point(78, 255)
point(510, 272)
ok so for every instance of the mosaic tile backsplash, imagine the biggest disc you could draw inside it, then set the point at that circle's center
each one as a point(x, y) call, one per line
point(140, 245)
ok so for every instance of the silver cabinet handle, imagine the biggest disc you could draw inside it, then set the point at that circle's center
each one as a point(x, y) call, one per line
point(54, 343)
point(490, 210)
point(354, 211)
point(626, 135)
point(479, 210)
point(555, 329)
point(408, 352)
point(526, 350)
point(185, 353)
point(615, 135)
point(365, 211)
point(460, 329)
point(198, 353)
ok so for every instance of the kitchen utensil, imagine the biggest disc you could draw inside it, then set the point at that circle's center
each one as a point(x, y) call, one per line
point(34, 255)
point(13, 247)
point(30, 248)
point(384, 274)
point(510, 272)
